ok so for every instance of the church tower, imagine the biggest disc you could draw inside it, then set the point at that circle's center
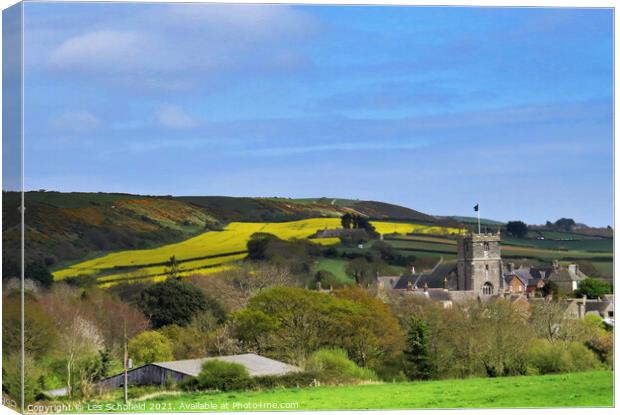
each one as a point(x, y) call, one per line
point(479, 263)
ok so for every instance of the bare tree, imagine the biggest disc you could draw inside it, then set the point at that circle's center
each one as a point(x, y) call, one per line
point(79, 339)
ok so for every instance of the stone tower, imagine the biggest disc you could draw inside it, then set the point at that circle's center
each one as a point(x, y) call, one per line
point(479, 263)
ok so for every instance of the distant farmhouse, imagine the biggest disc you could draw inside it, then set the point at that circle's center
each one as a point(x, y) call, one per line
point(480, 272)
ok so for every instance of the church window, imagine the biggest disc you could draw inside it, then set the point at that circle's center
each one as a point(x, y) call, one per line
point(486, 246)
point(487, 288)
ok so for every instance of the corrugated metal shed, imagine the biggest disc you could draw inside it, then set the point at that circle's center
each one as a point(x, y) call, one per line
point(157, 373)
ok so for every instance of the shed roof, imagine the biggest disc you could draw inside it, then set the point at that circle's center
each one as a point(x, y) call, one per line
point(255, 364)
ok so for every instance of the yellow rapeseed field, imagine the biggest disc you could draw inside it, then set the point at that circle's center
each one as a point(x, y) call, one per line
point(230, 240)
point(405, 228)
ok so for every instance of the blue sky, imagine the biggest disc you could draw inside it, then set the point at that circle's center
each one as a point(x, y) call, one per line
point(430, 108)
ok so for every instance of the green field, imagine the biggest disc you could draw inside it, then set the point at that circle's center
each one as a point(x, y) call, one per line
point(599, 251)
point(589, 389)
point(336, 267)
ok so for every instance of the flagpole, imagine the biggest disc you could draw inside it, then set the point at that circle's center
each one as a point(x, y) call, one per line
point(478, 212)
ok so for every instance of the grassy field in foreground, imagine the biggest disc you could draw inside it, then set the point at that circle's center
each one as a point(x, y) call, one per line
point(565, 390)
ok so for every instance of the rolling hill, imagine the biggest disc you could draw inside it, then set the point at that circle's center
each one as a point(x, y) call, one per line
point(62, 228)
point(70, 232)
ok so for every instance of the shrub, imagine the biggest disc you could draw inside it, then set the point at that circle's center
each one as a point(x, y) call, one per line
point(189, 384)
point(333, 366)
point(581, 358)
point(223, 376)
point(545, 357)
point(289, 380)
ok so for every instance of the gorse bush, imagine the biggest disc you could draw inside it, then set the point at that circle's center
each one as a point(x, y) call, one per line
point(221, 375)
point(333, 366)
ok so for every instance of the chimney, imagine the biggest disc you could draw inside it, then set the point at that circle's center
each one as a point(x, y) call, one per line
point(425, 287)
point(556, 266)
point(511, 267)
point(445, 283)
point(572, 269)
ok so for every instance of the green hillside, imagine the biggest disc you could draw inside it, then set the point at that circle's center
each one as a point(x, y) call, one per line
point(65, 228)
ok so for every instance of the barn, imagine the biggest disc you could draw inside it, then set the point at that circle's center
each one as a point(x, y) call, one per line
point(158, 373)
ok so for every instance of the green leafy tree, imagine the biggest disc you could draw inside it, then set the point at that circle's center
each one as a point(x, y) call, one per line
point(175, 301)
point(419, 365)
point(252, 327)
point(12, 381)
point(150, 346)
point(35, 271)
point(291, 323)
point(565, 224)
point(40, 333)
point(257, 245)
point(361, 270)
point(592, 288)
point(517, 228)
point(173, 267)
point(346, 220)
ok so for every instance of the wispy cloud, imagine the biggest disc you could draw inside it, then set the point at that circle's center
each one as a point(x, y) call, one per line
point(101, 51)
point(76, 122)
point(174, 117)
point(354, 147)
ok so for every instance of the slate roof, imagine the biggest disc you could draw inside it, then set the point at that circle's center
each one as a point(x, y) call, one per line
point(255, 364)
point(567, 274)
point(435, 278)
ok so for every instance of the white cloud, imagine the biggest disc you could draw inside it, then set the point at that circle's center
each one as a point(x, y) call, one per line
point(105, 50)
point(77, 122)
point(243, 22)
point(174, 117)
point(180, 47)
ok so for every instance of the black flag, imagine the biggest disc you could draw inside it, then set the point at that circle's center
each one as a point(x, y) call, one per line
point(477, 207)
